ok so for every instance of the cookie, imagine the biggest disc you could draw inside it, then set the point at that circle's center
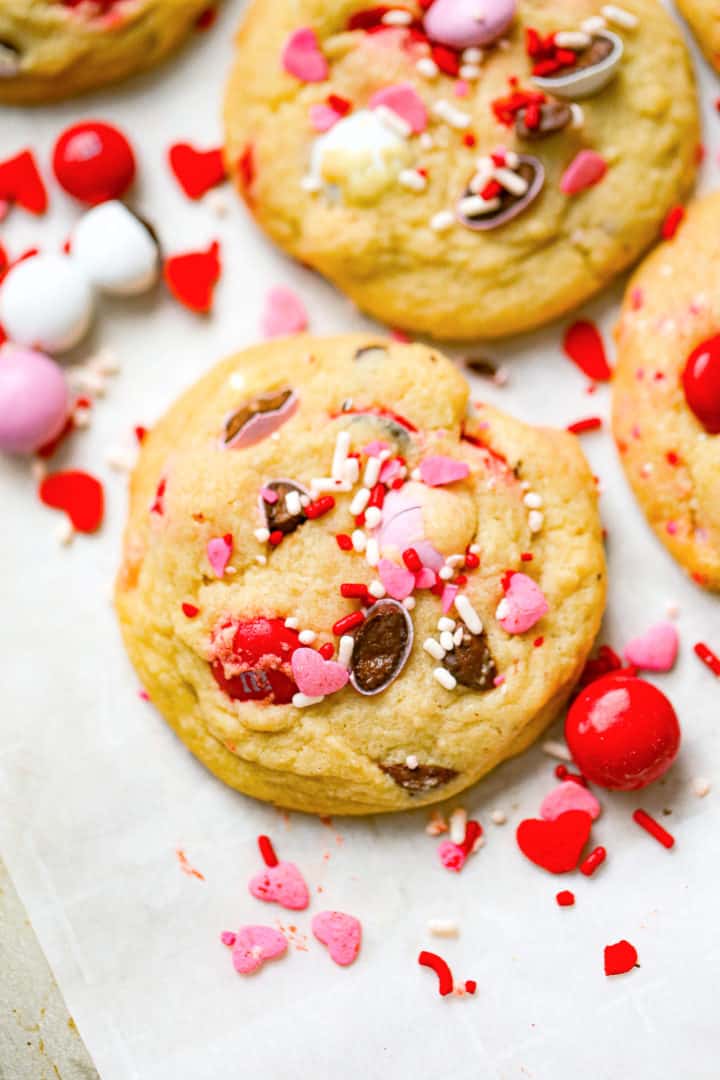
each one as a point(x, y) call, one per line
point(666, 392)
point(454, 182)
point(53, 49)
point(346, 591)
point(703, 17)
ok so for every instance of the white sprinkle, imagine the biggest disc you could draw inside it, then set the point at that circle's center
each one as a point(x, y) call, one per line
point(217, 203)
point(345, 650)
point(442, 927)
point(502, 609)
point(377, 589)
point(430, 645)
point(311, 184)
point(445, 573)
point(373, 517)
point(474, 549)
point(393, 121)
point(472, 55)
point(292, 503)
point(444, 623)
point(409, 603)
point(442, 221)
point(512, 160)
point(436, 825)
point(443, 676)
point(458, 636)
point(470, 72)
point(261, 535)
point(121, 458)
point(427, 67)
point(532, 500)
point(572, 39)
point(359, 540)
point(342, 445)
point(372, 551)
point(578, 116)
point(593, 24)
point(474, 205)
point(455, 560)
point(237, 381)
point(360, 501)
point(372, 471)
point(292, 623)
point(306, 637)
point(458, 825)
point(445, 110)
point(511, 181)
point(700, 787)
point(411, 761)
point(351, 472)
point(468, 614)
point(261, 560)
point(397, 17)
point(619, 16)
point(498, 817)
point(82, 417)
point(412, 180)
point(416, 475)
point(555, 748)
point(302, 701)
point(305, 500)
point(426, 141)
point(65, 532)
point(447, 641)
point(105, 361)
point(481, 178)
point(535, 521)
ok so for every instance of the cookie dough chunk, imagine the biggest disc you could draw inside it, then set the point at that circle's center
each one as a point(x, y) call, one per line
point(703, 17)
point(362, 595)
point(457, 176)
point(666, 391)
point(52, 49)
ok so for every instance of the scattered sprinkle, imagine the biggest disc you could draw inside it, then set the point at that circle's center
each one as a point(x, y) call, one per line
point(645, 821)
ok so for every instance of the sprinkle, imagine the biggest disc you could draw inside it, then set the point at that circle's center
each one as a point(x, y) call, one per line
point(348, 622)
point(498, 817)
point(572, 39)
point(653, 827)
point(427, 67)
point(392, 121)
point(511, 181)
point(579, 427)
point(442, 927)
point(585, 171)
point(578, 116)
point(303, 58)
point(436, 826)
point(342, 445)
point(186, 867)
point(261, 535)
point(619, 16)
point(458, 825)
point(411, 761)
point(449, 594)
point(708, 657)
point(445, 110)
point(473, 205)
point(619, 958)
point(65, 532)
point(292, 503)
point(672, 222)
point(444, 623)
point(397, 17)
point(276, 537)
point(303, 701)
point(409, 603)
point(468, 614)
point(535, 521)
point(595, 859)
point(445, 573)
point(292, 623)
point(593, 25)
point(556, 749)
point(319, 507)
point(376, 590)
point(373, 517)
point(442, 221)
point(412, 180)
point(443, 676)
point(345, 650)
point(438, 965)
point(700, 787)
point(190, 611)
point(565, 898)
point(359, 540)
point(344, 542)
point(434, 648)
point(469, 72)
point(584, 346)
point(447, 641)
point(438, 470)
point(306, 637)
point(267, 851)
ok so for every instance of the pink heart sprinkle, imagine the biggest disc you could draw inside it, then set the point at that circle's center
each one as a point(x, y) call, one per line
point(219, 550)
point(448, 597)
point(523, 605)
point(269, 496)
point(425, 578)
point(655, 650)
point(375, 448)
point(452, 856)
point(303, 58)
point(586, 170)
point(323, 117)
point(405, 102)
point(316, 676)
point(340, 932)
point(398, 582)
point(253, 945)
point(282, 884)
point(439, 470)
point(391, 470)
point(569, 796)
point(284, 313)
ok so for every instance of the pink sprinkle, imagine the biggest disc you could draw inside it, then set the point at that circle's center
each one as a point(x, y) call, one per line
point(219, 550)
point(323, 117)
point(672, 527)
point(586, 170)
point(316, 676)
point(405, 101)
point(569, 796)
point(303, 58)
point(452, 856)
point(637, 298)
point(425, 578)
point(499, 680)
point(448, 597)
point(375, 448)
point(397, 580)
point(655, 650)
point(523, 605)
point(269, 496)
point(253, 945)
point(341, 934)
point(390, 471)
point(228, 938)
point(284, 313)
point(143, 695)
point(438, 470)
point(461, 88)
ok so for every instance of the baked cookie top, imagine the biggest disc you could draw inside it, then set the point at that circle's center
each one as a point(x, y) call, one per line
point(704, 19)
point(347, 590)
point(666, 391)
point(52, 49)
point(458, 189)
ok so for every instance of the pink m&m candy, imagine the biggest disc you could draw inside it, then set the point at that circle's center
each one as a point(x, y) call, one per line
point(464, 24)
point(33, 400)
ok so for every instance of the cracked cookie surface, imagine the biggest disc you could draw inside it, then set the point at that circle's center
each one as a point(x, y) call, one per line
point(418, 611)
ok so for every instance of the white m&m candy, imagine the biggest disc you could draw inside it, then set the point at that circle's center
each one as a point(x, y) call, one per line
point(116, 250)
point(46, 302)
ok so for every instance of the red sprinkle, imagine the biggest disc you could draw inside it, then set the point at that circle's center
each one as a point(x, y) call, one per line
point(21, 183)
point(650, 825)
point(344, 542)
point(595, 858)
point(267, 851)
point(565, 898)
point(321, 506)
point(708, 657)
point(276, 537)
point(79, 494)
point(585, 347)
point(377, 496)
point(470, 986)
point(469, 139)
point(197, 171)
point(441, 969)
point(473, 832)
point(561, 772)
point(190, 611)
point(592, 423)
point(672, 222)
point(348, 622)
point(526, 556)
point(192, 277)
point(327, 651)
point(538, 642)
point(620, 958)
point(412, 560)
point(352, 590)
point(472, 561)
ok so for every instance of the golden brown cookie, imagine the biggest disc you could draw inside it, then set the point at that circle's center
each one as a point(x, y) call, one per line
point(703, 17)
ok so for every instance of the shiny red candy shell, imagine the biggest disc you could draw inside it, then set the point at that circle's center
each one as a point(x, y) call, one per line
point(264, 647)
point(622, 732)
point(94, 162)
point(701, 383)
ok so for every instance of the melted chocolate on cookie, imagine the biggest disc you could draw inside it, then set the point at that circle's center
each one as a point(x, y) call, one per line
point(421, 778)
point(382, 645)
point(266, 403)
point(472, 663)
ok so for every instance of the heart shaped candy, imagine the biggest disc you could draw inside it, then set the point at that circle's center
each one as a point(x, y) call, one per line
point(196, 170)
point(253, 945)
point(281, 884)
point(21, 183)
point(219, 550)
point(397, 581)
point(555, 845)
point(192, 277)
point(405, 102)
point(78, 494)
point(316, 676)
point(284, 313)
point(569, 796)
point(523, 605)
point(341, 933)
point(303, 58)
point(655, 650)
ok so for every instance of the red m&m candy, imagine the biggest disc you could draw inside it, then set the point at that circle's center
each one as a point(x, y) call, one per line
point(701, 383)
point(622, 732)
point(253, 660)
point(94, 162)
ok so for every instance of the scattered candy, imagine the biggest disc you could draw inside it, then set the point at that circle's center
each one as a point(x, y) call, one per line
point(523, 604)
point(569, 796)
point(303, 58)
point(34, 401)
point(555, 845)
point(584, 345)
point(341, 933)
point(46, 302)
point(622, 732)
point(284, 313)
point(315, 676)
point(281, 884)
point(650, 825)
point(620, 958)
point(436, 470)
point(565, 898)
point(708, 657)
point(672, 222)
point(655, 650)
point(192, 277)
point(93, 162)
point(595, 859)
point(21, 183)
point(197, 171)
point(462, 24)
point(405, 102)
point(116, 250)
point(701, 383)
point(219, 551)
point(253, 945)
point(441, 969)
point(78, 494)
point(584, 172)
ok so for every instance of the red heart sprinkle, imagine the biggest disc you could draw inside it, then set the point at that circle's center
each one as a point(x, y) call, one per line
point(78, 494)
point(555, 845)
point(584, 345)
point(196, 170)
point(21, 183)
point(620, 958)
point(192, 277)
